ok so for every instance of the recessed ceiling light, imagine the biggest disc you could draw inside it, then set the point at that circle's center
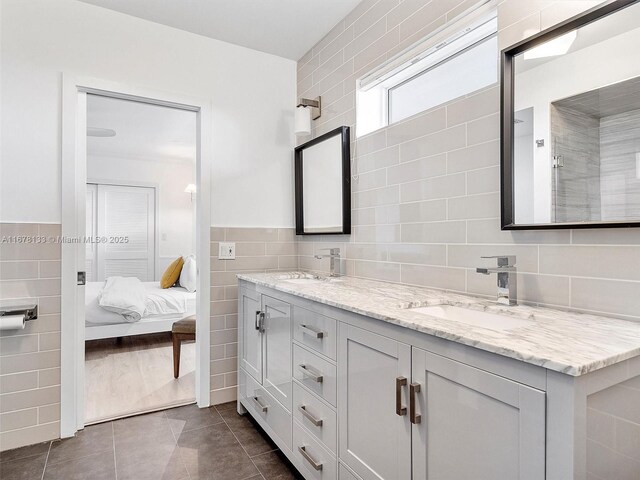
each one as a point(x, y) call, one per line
point(552, 48)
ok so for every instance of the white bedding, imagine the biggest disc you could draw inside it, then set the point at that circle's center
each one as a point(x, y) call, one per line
point(162, 304)
point(125, 296)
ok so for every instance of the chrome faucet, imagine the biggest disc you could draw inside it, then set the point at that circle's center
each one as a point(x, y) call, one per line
point(334, 256)
point(507, 278)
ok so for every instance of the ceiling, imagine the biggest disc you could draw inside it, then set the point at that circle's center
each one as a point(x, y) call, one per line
point(613, 99)
point(143, 131)
point(287, 28)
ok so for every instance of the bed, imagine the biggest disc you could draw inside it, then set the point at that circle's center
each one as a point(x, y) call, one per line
point(101, 323)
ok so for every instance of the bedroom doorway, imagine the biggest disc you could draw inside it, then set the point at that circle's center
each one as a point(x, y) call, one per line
point(139, 207)
point(135, 150)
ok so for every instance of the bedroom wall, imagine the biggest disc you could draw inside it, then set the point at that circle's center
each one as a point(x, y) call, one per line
point(176, 213)
point(426, 200)
point(253, 97)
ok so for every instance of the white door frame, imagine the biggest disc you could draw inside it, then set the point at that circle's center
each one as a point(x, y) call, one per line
point(74, 177)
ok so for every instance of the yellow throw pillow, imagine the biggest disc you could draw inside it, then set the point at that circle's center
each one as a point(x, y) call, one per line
point(172, 273)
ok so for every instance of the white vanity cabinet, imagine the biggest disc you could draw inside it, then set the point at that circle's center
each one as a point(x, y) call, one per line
point(427, 412)
point(468, 423)
point(373, 422)
point(349, 397)
point(265, 334)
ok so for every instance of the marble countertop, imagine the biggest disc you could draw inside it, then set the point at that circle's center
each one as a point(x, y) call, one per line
point(569, 342)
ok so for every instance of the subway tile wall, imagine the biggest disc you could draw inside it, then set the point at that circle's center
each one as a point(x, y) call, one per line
point(613, 432)
point(30, 358)
point(257, 250)
point(426, 190)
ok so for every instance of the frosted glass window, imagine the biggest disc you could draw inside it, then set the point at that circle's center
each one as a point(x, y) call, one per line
point(471, 70)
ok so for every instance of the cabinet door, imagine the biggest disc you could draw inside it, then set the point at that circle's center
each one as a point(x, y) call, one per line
point(375, 442)
point(277, 350)
point(475, 425)
point(251, 337)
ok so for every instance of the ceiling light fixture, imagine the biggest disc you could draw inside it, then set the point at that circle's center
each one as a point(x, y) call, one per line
point(552, 48)
point(306, 111)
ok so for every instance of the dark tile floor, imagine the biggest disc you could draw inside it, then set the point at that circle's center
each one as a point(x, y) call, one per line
point(185, 443)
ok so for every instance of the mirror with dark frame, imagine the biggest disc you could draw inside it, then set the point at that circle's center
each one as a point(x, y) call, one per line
point(571, 123)
point(322, 184)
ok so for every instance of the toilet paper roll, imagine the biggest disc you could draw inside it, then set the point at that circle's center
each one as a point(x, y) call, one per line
point(11, 322)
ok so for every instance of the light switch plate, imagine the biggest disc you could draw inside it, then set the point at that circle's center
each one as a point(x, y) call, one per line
point(227, 251)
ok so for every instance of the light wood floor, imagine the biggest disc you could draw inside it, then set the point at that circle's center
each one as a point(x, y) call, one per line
point(135, 375)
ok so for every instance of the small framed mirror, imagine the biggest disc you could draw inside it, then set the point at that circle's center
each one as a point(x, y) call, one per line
point(323, 184)
point(571, 123)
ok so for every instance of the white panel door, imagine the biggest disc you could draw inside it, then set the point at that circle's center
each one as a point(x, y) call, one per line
point(91, 255)
point(375, 435)
point(126, 220)
point(475, 425)
point(249, 309)
point(277, 350)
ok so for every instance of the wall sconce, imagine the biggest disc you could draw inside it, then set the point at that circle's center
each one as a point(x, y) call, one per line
point(191, 189)
point(306, 111)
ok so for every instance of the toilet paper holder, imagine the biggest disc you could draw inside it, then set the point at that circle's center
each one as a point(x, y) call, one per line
point(30, 312)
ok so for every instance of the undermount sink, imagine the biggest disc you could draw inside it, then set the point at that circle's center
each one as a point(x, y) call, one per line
point(305, 281)
point(474, 318)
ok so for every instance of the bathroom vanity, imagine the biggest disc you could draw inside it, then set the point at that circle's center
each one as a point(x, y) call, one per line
point(359, 379)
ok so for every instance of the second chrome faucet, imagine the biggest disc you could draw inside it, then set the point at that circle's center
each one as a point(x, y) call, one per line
point(507, 278)
point(334, 264)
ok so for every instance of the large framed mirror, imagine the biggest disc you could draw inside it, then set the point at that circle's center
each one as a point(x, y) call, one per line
point(571, 123)
point(323, 184)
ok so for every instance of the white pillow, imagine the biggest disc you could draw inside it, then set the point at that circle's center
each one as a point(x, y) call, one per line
point(188, 276)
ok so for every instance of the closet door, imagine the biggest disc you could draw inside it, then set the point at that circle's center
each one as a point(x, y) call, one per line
point(91, 231)
point(126, 219)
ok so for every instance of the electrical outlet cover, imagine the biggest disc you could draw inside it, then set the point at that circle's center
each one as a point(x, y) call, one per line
point(227, 251)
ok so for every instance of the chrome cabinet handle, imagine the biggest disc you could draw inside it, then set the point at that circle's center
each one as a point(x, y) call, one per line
point(316, 421)
point(312, 332)
point(259, 321)
point(414, 389)
point(400, 382)
point(309, 458)
point(261, 406)
point(309, 372)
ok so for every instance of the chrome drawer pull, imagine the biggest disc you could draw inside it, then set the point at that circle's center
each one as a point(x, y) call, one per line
point(261, 406)
point(259, 324)
point(309, 458)
point(316, 421)
point(312, 332)
point(308, 371)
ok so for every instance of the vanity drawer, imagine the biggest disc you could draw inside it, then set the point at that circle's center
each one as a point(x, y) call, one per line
point(316, 416)
point(315, 373)
point(264, 406)
point(315, 331)
point(315, 461)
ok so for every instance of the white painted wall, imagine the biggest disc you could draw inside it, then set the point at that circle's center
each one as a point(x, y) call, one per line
point(563, 77)
point(253, 96)
point(175, 212)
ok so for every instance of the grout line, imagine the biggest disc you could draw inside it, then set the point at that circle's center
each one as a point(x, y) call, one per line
point(113, 442)
point(164, 412)
point(238, 440)
point(46, 460)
